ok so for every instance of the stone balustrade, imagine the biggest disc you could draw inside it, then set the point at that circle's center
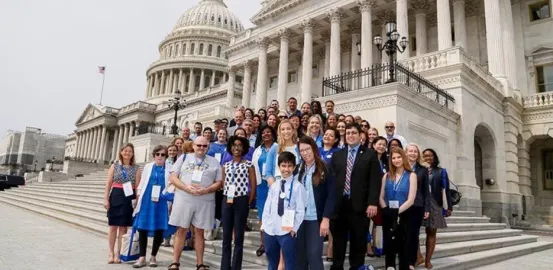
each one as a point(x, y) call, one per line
point(538, 100)
point(138, 105)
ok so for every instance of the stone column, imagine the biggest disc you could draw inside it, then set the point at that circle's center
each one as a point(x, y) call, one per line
point(131, 129)
point(335, 50)
point(202, 80)
point(326, 39)
point(355, 61)
point(283, 66)
point(86, 144)
point(163, 84)
point(246, 91)
point(212, 82)
point(261, 91)
point(403, 25)
point(115, 144)
point(420, 7)
point(156, 85)
point(230, 87)
point(120, 137)
point(183, 83)
point(170, 83)
point(77, 146)
point(365, 6)
point(459, 24)
point(494, 40)
point(444, 24)
point(102, 152)
point(125, 134)
point(180, 84)
point(524, 174)
point(509, 44)
point(191, 82)
point(95, 139)
point(148, 87)
point(307, 61)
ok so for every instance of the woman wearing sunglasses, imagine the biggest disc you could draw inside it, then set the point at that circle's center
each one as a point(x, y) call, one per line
point(152, 211)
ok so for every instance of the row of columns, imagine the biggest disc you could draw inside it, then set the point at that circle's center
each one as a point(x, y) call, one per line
point(93, 143)
point(183, 79)
point(185, 48)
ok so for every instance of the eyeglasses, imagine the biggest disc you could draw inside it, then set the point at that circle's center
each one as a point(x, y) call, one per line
point(202, 145)
point(352, 133)
point(305, 151)
point(160, 154)
point(237, 146)
point(364, 125)
point(389, 127)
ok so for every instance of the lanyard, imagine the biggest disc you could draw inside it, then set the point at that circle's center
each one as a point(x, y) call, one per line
point(124, 173)
point(382, 166)
point(396, 185)
point(157, 174)
point(200, 163)
point(233, 170)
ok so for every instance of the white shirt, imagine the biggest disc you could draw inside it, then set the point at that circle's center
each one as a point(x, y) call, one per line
point(271, 221)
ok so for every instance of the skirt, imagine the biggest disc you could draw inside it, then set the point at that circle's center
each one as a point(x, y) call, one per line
point(261, 194)
point(436, 219)
point(120, 208)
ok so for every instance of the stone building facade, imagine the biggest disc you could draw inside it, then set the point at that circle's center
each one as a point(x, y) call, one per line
point(475, 83)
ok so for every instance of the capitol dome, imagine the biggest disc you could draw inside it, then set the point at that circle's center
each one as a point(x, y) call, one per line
point(209, 13)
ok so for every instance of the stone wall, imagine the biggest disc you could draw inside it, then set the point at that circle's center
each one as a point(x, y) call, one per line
point(145, 144)
point(72, 168)
point(51, 176)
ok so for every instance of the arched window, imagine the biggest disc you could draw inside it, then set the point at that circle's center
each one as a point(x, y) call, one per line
point(177, 50)
point(205, 17)
point(209, 50)
point(226, 21)
point(218, 51)
point(212, 18)
point(201, 49)
point(192, 47)
point(207, 81)
point(171, 51)
point(184, 49)
point(219, 19)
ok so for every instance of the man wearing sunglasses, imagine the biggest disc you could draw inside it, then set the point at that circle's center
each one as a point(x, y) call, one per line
point(390, 128)
point(197, 177)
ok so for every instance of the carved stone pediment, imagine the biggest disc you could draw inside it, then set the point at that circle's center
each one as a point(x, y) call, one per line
point(275, 8)
point(89, 113)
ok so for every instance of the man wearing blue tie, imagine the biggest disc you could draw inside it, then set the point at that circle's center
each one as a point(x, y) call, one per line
point(358, 180)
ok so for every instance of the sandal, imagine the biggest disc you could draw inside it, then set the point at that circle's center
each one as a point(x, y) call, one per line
point(174, 264)
point(111, 260)
point(117, 259)
point(153, 262)
point(201, 267)
point(260, 251)
point(139, 264)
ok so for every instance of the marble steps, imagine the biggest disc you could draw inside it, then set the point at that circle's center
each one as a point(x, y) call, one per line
point(69, 198)
point(71, 189)
point(188, 258)
point(73, 185)
point(454, 213)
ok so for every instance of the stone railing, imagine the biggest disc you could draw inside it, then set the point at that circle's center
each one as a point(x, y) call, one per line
point(138, 105)
point(450, 57)
point(538, 100)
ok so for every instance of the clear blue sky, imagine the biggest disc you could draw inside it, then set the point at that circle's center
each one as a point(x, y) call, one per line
point(50, 51)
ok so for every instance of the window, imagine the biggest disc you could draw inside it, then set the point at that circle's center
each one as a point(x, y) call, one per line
point(177, 53)
point(201, 49)
point(209, 50)
point(192, 47)
point(539, 10)
point(548, 169)
point(292, 76)
point(171, 51)
point(273, 82)
point(315, 71)
point(544, 78)
point(413, 43)
point(184, 49)
point(218, 51)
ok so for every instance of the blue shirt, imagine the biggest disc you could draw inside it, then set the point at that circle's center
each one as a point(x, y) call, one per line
point(326, 156)
point(356, 150)
point(262, 160)
point(216, 148)
point(311, 210)
point(228, 157)
point(271, 169)
point(318, 140)
point(397, 191)
point(295, 200)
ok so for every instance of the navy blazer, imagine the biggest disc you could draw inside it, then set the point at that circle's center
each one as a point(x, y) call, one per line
point(423, 187)
point(437, 178)
point(323, 194)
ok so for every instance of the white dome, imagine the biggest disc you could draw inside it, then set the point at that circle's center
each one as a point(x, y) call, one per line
point(210, 13)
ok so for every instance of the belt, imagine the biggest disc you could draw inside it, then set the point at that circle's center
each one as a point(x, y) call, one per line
point(119, 185)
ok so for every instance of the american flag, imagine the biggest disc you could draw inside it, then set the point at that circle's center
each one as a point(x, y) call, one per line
point(102, 69)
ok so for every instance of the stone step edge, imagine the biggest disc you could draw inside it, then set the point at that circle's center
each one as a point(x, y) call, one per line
point(98, 209)
point(58, 196)
point(476, 259)
point(101, 230)
point(64, 189)
point(62, 192)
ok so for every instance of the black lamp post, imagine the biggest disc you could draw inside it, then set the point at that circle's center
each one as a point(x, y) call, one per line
point(391, 45)
point(53, 161)
point(176, 104)
point(358, 45)
point(36, 161)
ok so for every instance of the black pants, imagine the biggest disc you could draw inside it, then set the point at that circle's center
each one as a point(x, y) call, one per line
point(398, 238)
point(417, 215)
point(143, 241)
point(357, 225)
point(235, 216)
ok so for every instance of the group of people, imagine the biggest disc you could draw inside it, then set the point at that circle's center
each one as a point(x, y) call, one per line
point(312, 177)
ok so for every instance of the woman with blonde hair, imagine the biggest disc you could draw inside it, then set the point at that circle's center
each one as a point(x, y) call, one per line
point(421, 208)
point(286, 141)
point(123, 177)
point(397, 195)
point(315, 129)
point(178, 141)
point(373, 133)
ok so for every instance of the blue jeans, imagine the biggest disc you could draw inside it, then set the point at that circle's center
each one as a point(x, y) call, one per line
point(235, 216)
point(273, 246)
point(309, 246)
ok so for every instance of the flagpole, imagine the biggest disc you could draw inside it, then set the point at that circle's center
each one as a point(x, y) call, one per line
point(102, 91)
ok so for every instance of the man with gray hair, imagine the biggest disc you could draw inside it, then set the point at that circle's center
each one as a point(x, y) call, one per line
point(238, 119)
point(241, 108)
point(248, 127)
point(196, 177)
point(390, 128)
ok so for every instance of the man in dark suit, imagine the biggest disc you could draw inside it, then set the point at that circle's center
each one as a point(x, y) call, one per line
point(358, 183)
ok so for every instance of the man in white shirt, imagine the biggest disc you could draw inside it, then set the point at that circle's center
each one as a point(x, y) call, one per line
point(390, 128)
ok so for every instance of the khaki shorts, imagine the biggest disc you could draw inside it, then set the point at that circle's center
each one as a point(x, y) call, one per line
point(187, 211)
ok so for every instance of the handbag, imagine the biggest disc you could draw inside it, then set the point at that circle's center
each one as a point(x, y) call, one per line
point(131, 248)
point(453, 193)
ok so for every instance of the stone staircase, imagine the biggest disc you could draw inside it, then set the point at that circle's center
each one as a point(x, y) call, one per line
point(469, 241)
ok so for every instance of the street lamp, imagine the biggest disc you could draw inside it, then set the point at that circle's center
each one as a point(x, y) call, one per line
point(176, 104)
point(358, 44)
point(391, 45)
point(36, 162)
point(53, 161)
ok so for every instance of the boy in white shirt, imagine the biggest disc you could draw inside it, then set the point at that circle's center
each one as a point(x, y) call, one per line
point(283, 214)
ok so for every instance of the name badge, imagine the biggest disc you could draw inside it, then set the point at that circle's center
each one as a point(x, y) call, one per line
point(197, 177)
point(288, 220)
point(263, 171)
point(156, 190)
point(329, 156)
point(218, 157)
point(231, 191)
point(127, 189)
point(170, 189)
point(393, 204)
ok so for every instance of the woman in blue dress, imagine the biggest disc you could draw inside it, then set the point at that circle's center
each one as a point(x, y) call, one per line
point(151, 212)
point(331, 139)
point(397, 195)
point(218, 148)
point(268, 138)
